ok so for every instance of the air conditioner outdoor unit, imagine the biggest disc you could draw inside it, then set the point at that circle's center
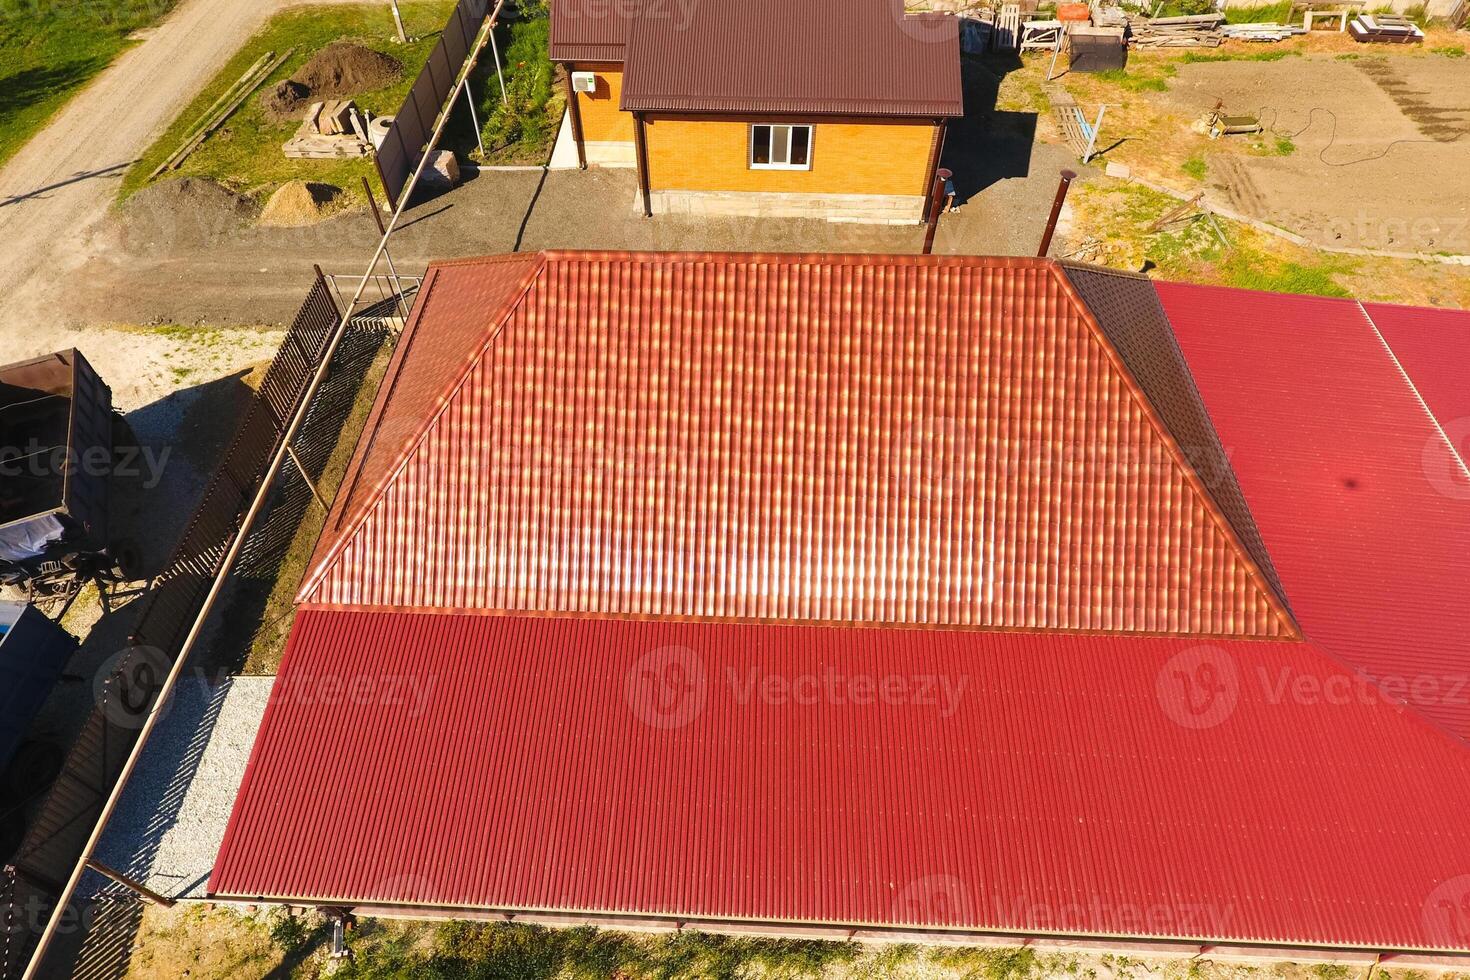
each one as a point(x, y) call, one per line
point(584, 81)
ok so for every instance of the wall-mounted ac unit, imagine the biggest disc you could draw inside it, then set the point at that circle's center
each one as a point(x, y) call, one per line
point(584, 81)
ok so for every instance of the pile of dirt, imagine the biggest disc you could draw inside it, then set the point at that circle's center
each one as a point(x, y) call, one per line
point(336, 71)
point(298, 203)
point(182, 212)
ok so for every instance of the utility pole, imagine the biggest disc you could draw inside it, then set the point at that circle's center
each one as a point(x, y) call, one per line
point(398, 22)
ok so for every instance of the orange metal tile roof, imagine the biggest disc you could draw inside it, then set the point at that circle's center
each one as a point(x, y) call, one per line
point(862, 439)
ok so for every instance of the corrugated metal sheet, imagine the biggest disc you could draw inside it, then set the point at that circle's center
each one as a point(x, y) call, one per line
point(590, 30)
point(1431, 346)
point(1063, 785)
point(853, 57)
point(939, 441)
point(1356, 491)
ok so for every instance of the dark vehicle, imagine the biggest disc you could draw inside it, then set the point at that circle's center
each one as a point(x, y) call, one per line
point(33, 651)
point(56, 426)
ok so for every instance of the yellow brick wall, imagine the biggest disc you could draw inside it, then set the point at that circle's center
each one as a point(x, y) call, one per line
point(849, 156)
point(602, 120)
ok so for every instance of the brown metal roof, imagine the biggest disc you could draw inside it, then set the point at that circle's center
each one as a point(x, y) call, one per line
point(590, 30)
point(870, 439)
point(854, 57)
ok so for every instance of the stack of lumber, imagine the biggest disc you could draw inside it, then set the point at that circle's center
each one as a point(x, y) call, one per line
point(331, 130)
point(1385, 29)
point(1199, 30)
point(1261, 32)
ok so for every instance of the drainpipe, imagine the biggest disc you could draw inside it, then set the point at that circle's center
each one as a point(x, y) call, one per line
point(935, 152)
point(575, 110)
point(638, 127)
point(936, 201)
point(1056, 212)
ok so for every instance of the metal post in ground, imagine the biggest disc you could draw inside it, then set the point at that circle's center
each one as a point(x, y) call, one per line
point(398, 22)
point(382, 233)
point(469, 100)
point(137, 887)
point(1092, 136)
point(495, 53)
point(1056, 212)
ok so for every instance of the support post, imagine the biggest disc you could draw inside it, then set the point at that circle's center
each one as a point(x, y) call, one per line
point(575, 111)
point(936, 199)
point(469, 100)
point(1092, 136)
point(383, 233)
point(1056, 211)
point(398, 22)
point(291, 451)
point(1057, 53)
point(142, 890)
point(499, 74)
point(642, 138)
point(936, 150)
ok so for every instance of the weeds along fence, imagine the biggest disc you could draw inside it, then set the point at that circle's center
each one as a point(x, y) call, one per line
point(407, 138)
point(63, 829)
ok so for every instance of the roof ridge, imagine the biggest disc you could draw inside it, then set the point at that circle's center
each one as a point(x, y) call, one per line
point(348, 524)
point(1176, 453)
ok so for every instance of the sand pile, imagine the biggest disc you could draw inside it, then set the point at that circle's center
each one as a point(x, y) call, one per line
point(298, 203)
point(336, 71)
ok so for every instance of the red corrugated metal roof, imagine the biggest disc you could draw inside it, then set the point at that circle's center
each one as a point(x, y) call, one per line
point(1430, 346)
point(1064, 784)
point(854, 57)
point(900, 439)
point(1356, 491)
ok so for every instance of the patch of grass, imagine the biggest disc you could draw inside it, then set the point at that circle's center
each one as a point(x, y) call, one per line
point(1137, 81)
point(1256, 270)
point(48, 51)
point(521, 128)
point(1275, 54)
point(1284, 146)
point(245, 153)
point(1348, 56)
point(1194, 167)
point(1266, 13)
point(1449, 51)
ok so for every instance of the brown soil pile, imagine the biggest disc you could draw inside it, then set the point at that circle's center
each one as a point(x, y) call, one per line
point(182, 212)
point(336, 71)
point(298, 203)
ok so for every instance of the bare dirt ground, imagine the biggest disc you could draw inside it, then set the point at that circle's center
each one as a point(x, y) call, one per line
point(1381, 146)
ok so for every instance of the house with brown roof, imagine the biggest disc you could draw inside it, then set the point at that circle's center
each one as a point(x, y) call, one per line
point(827, 108)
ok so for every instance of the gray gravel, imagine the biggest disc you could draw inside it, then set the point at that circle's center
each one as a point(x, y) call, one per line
point(171, 819)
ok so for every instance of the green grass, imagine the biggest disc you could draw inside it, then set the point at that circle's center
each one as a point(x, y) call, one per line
point(48, 51)
point(245, 153)
point(1266, 13)
point(1138, 80)
point(1251, 270)
point(1284, 146)
point(521, 128)
point(1195, 57)
point(1449, 51)
point(1194, 167)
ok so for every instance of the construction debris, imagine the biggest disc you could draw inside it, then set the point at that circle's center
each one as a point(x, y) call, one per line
point(1385, 29)
point(332, 130)
point(442, 173)
point(1217, 123)
point(1261, 32)
point(1198, 30)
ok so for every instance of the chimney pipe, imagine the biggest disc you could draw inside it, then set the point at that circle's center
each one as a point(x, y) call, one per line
point(1056, 211)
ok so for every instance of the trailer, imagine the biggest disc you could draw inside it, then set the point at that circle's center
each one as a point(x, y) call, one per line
point(33, 652)
point(56, 446)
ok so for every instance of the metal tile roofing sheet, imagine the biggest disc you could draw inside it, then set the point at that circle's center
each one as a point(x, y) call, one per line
point(813, 438)
point(1035, 783)
point(590, 30)
point(854, 57)
point(1433, 348)
point(1359, 496)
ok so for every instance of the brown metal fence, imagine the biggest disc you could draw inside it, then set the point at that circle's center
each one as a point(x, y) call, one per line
point(58, 836)
point(406, 140)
